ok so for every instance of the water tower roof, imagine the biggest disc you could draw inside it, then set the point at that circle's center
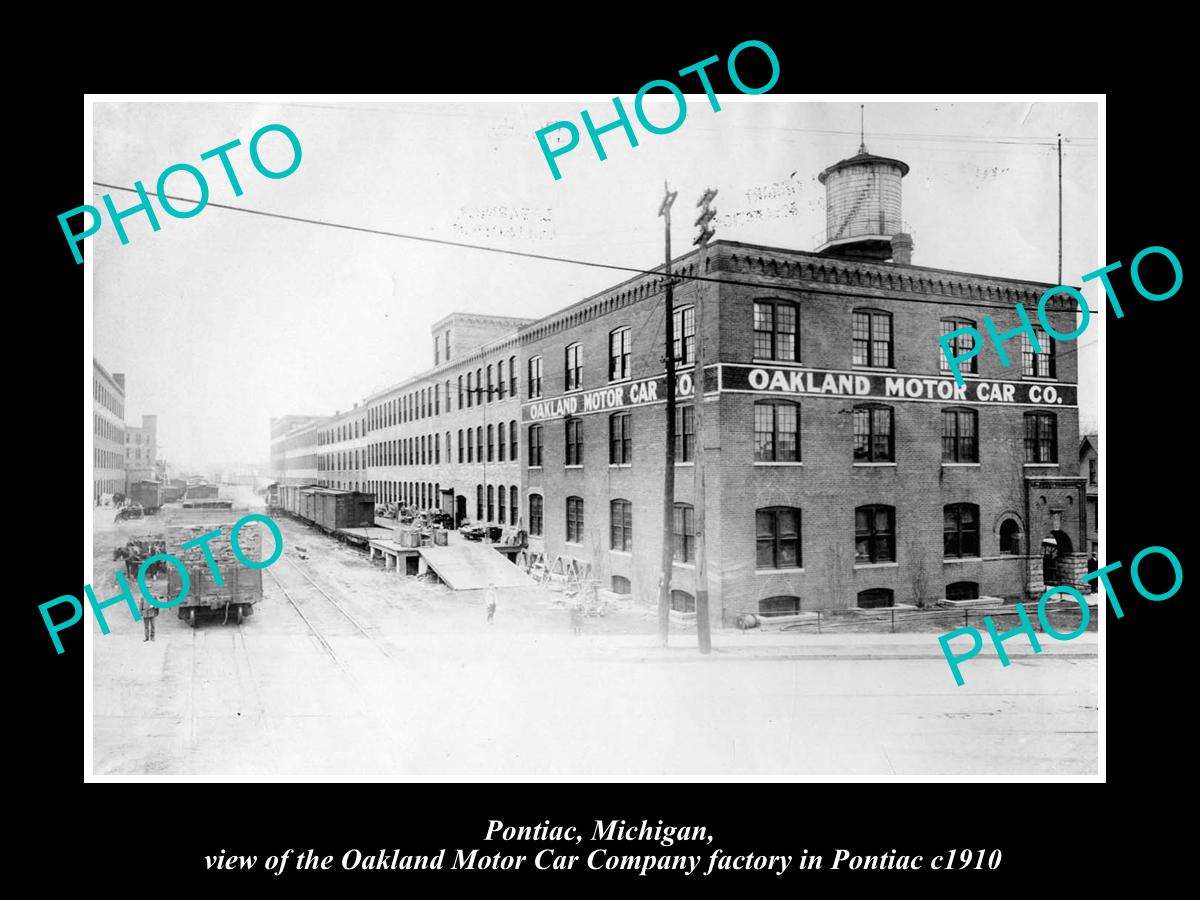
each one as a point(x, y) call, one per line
point(858, 160)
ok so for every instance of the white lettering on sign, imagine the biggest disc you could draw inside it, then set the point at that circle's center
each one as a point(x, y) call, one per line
point(794, 381)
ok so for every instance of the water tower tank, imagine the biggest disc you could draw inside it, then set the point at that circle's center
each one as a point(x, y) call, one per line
point(863, 209)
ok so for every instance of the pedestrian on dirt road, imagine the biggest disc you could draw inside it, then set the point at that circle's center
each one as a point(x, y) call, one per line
point(490, 599)
point(149, 614)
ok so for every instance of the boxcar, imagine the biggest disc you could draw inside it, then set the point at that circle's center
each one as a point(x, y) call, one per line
point(148, 493)
point(173, 492)
point(201, 491)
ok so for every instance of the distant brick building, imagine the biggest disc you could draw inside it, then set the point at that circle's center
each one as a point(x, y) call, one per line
point(294, 448)
point(108, 432)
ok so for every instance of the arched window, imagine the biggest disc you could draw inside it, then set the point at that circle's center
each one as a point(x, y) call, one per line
point(491, 442)
point(961, 530)
point(621, 585)
point(621, 514)
point(512, 439)
point(872, 338)
point(683, 322)
point(873, 440)
point(684, 531)
point(501, 381)
point(535, 377)
point(875, 534)
point(620, 439)
point(535, 446)
point(514, 504)
point(460, 392)
point(535, 514)
point(776, 431)
point(479, 502)
point(479, 442)
point(512, 375)
point(779, 606)
point(960, 435)
point(574, 442)
point(575, 520)
point(501, 441)
point(501, 503)
point(962, 590)
point(775, 330)
point(1010, 537)
point(682, 602)
point(488, 397)
point(573, 368)
point(470, 390)
point(875, 598)
point(778, 538)
point(959, 344)
point(491, 503)
point(620, 352)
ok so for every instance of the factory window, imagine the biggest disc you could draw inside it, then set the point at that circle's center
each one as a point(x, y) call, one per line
point(960, 430)
point(535, 445)
point(620, 351)
point(479, 442)
point(621, 585)
point(960, 530)
point(479, 502)
point(683, 325)
point(776, 431)
point(685, 432)
point(500, 499)
point(875, 598)
point(535, 377)
point(491, 442)
point(1041, 438)
point(460, 392)
point(490, 384)
point(479, 386)
point(573, 368)
point(447, 346)
point(875, 534)
point(962, 590)
point(470, 445)
point(1093, 468)
point(447, 395)
point(470, 391)
point(512, 375)
point(620, 439)
point(449, 444)
point(535, 514)
point(512, 439)
point(575, 520)
point(1010, 537)
point(683, 602)
point(574, 442)
point(778, 538)
point(437, 447)
point(775, 330)
point(491, 503)
point(437, 399)
point(873, 434)
point(513, 504)
point(501, 382)
point(501, 441)
point(779, 606)
point(959, 344)
point(684, 533)
point(1039, 364)
point(621, 514)
point(872, 338)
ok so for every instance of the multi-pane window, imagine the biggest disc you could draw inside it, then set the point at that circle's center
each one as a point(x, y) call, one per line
point(535, 377)
point(777, 534)
point(512, 439)
point(775, 330)
point(875, 534)
point(683, 322)
point(872, 338)
point(501, 441)
point(512, 375)
point(470, 445)
point(1041, 438)
point(1010, 537)
point(479, 441)
point(684, 531)
point(620, 439)
point(501, 383)
point(1039, 364)
point(460, 392)
point(960, 530)
point(470, 390)
point(574, 442)
point(962, 590)
point(960, 435)
point(685, 432)
point(491, 502)
point(535, 445)
point(575, 520)
point(488, 396)
point(1093, 470)
point(491, 442)
point(959, 344)
point(573, 374)
point(683, 602)
point(535, 514)
point(479, 502)
point(776, 431)
point(875, 598)
point(620, 352)
point(621, 512)
point(513, 504)
point(873, 434)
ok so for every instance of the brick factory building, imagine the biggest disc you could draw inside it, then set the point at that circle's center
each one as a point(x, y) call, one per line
point(108, 432)
point(141, 451)
point(844, 467)
point(294, 448)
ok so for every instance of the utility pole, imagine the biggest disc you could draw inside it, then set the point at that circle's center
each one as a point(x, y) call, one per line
point(703, 634)
point(1060, 208)
point(664, 592)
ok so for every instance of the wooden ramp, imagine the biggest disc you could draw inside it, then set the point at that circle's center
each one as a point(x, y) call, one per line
point(469, 566)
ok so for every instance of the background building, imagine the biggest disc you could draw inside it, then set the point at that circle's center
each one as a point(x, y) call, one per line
point(294, 448)
point(108, 432)
point(1089, 467)
point(141, 451)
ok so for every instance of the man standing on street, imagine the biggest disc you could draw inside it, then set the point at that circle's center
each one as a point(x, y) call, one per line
point(149, 613)
point(490, 599)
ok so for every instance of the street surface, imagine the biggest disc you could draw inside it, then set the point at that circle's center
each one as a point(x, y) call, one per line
point(366, 674)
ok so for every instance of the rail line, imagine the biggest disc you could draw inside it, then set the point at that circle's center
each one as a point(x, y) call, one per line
point(316, 632)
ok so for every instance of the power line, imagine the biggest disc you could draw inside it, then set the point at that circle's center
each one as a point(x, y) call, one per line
point(543, 256)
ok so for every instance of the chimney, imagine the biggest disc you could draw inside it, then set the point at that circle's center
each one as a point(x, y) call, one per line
point(119, 378)
point(902, 248)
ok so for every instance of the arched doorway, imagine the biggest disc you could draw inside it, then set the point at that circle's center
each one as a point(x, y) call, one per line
point(1056, 556)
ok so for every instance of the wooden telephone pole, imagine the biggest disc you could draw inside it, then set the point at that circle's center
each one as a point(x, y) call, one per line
point(703, 634)
point(664, 592)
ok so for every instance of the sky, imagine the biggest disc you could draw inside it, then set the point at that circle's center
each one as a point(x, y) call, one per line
point(223, 320)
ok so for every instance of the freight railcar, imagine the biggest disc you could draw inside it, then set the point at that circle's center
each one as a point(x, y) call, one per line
point(201, 492)
point(327, 508)
point(147, 493)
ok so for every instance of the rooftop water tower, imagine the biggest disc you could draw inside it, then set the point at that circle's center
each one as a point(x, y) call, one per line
point(862, 209)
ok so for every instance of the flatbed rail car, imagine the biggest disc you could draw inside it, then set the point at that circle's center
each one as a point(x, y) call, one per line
point(236, 597)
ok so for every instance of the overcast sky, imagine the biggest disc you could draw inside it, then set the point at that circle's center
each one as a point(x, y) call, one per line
point(223, 320)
